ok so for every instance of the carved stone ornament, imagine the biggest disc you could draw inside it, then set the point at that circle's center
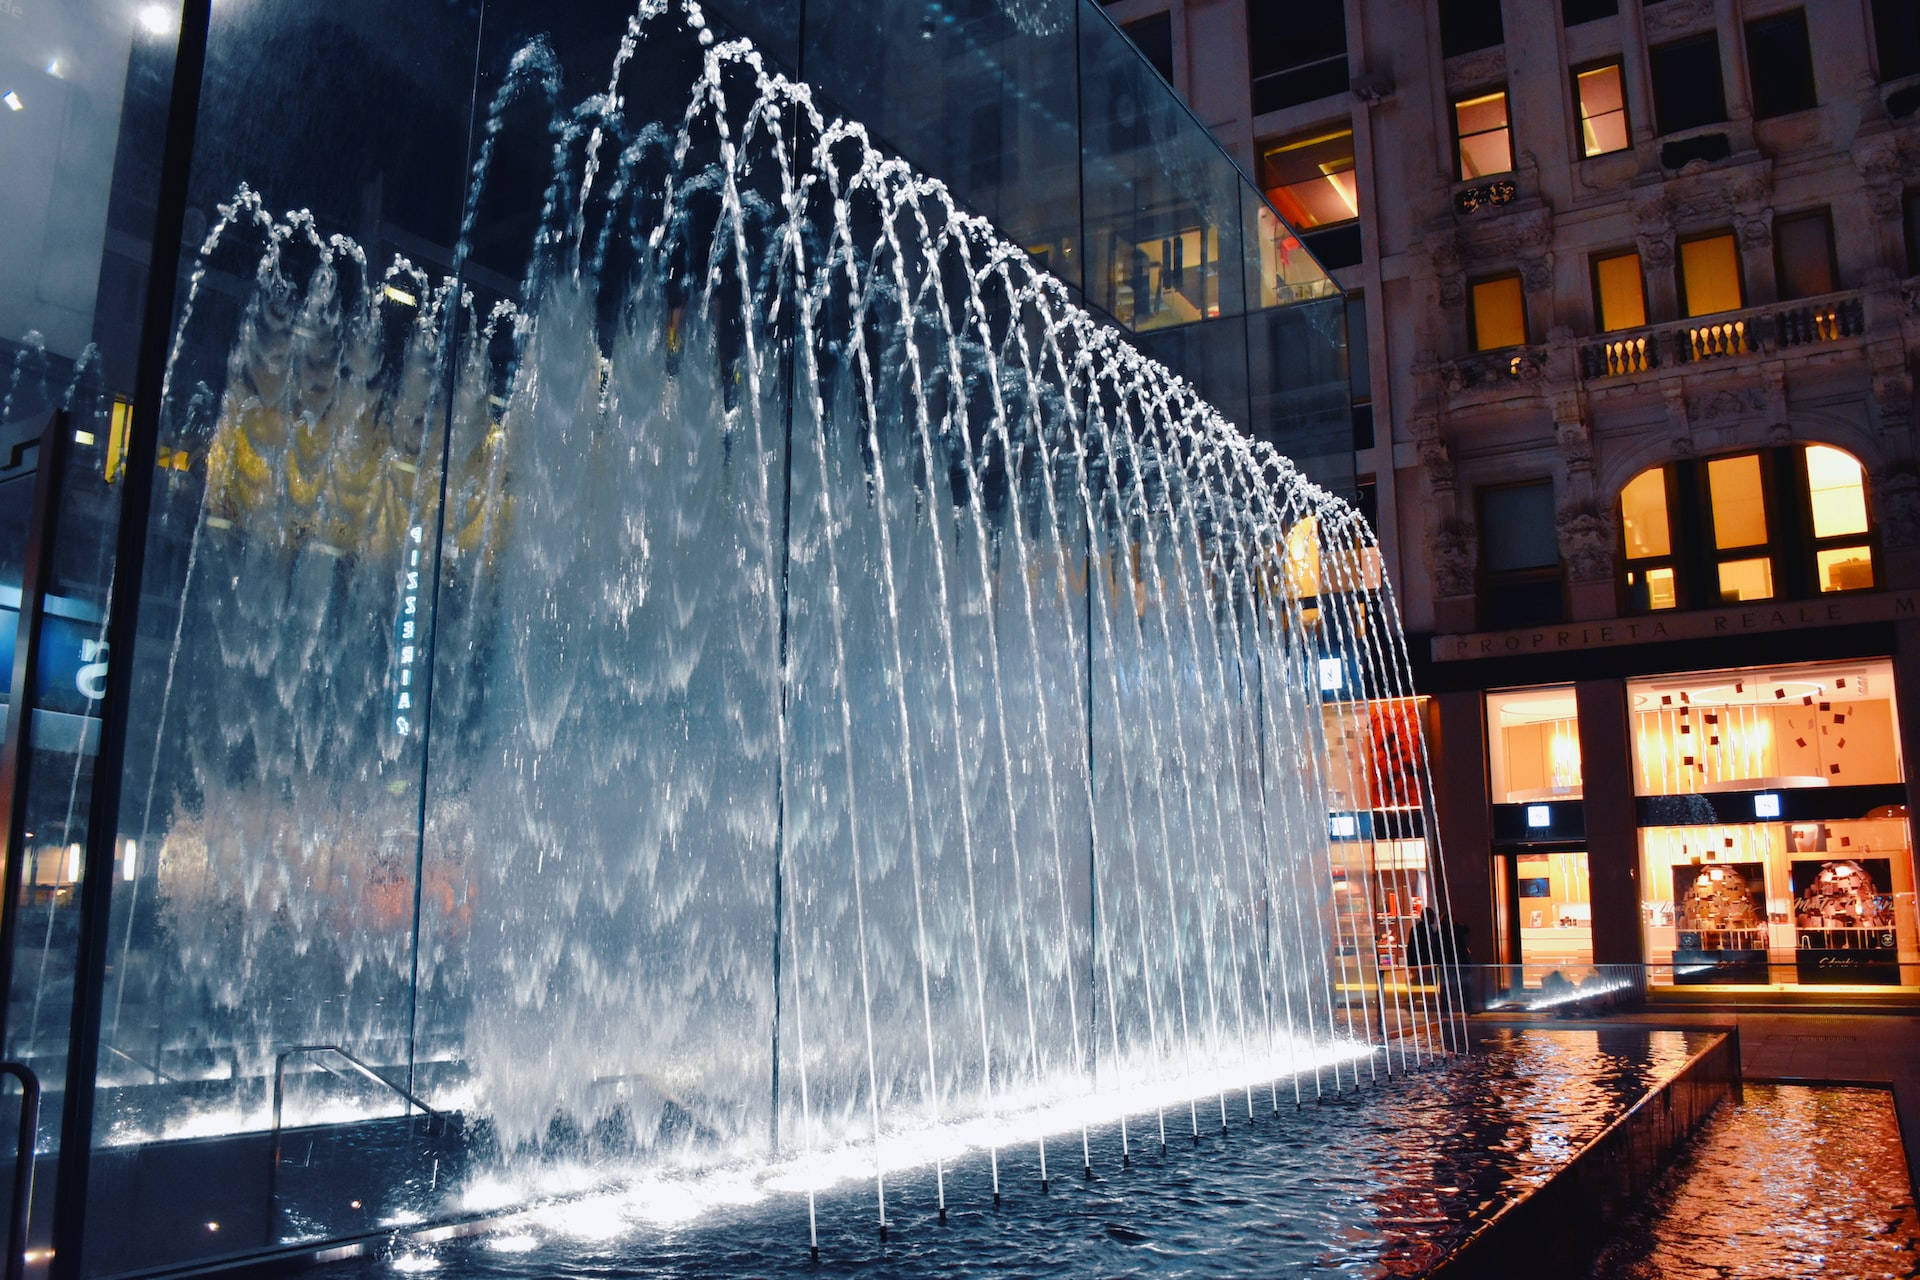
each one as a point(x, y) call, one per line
point(1433, 451)
point(1653, 231)
point(1896, 500)
point(1886, 200)
point(1883, 170)
point(1453, 548)
point(1372, 87)
point(1729, 403)
point(1677, 18)
point(1586, 542)
point(1893, 401)
point(1575, 440)
point(1754, 227)
point(1537, 274)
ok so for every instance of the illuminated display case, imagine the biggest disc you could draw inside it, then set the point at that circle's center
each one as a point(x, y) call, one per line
point(1774, 841)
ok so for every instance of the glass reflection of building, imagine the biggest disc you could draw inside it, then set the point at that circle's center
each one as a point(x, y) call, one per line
point(1036, 113)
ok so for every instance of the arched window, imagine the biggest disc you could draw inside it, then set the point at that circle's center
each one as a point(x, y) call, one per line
point(1770, 524)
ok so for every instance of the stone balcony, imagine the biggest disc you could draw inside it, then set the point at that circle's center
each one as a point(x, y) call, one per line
point(1732, 335)
point(1621, 358)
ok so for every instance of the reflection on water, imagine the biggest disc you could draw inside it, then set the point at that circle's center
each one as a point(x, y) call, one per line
point(1795, 1182)
point(1384, 1183)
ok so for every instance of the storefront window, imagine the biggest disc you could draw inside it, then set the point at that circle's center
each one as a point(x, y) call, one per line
point(1792, 862)
point(1533, 745)
point(1763, 728)
point(1783, 902)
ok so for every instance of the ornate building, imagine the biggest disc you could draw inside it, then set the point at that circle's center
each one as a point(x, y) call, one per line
point(1637, 284)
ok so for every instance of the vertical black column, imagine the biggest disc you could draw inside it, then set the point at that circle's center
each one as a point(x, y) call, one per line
point(1613, 825)
point(49, 475)
point(123, 602)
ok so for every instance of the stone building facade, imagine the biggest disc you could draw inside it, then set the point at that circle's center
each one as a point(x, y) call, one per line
point(1637, 284)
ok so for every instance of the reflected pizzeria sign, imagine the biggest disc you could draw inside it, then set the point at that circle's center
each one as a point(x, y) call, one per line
point(1706, 624)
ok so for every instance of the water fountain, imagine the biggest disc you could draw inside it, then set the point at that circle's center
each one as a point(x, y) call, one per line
point(785, 685)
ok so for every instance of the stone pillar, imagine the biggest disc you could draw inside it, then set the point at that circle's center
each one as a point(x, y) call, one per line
point(1906, 706)
point(1653, 235)
point(1458, 737)
point(1613, 831)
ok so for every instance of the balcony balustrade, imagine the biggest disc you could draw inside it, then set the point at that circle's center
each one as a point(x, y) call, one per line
point(1756, 331)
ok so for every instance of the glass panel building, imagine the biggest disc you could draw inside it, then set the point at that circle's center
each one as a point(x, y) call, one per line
point(303, 242)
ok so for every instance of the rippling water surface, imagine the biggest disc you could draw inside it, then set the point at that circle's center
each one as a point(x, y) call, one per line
point(1797, 1181)
point(1379, 1183)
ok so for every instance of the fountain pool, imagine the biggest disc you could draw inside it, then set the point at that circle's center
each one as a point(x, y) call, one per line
point(1386, 1182)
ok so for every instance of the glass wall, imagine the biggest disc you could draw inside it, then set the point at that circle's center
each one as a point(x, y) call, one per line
point(1533, 745)
point(378, 849)
point(1775, 842)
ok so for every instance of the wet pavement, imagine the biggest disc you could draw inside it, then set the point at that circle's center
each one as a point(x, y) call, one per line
point(1796, 1181)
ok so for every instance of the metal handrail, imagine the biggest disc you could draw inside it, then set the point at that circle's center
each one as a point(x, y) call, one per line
point(18, 1211)
point(434, 1115)
point(436, 1119)
point(159, 1076)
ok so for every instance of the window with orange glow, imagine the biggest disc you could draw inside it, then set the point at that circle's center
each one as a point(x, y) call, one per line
point(1619, 292)
point(1499, 314)
point(1837, 501)
point(1601, 94)
point(1484, 134)
point(1710, 275)
point(1788, 522)
point(1310, 177)
point(1533, 747)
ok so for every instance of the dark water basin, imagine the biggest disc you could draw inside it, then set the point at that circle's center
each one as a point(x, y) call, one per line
point(1382, 1182)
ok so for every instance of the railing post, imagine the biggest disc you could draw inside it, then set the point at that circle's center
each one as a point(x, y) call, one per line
point(20, 1209)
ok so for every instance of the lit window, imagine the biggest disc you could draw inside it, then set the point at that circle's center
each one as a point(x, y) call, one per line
point(1619, 292)
point(1533, 746)
point(1844, 568)
point(1486, 140)
point(1310, 178)
point(1739, 501)
point(1837, 486)
point(1499, 314)
point(1603, 109)
point(1660, 589)
point(1303, 558)
point(1710, 275)
point(1786, 522)
point(1643, 515)
point(1746, 580)
point(1837, 500)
